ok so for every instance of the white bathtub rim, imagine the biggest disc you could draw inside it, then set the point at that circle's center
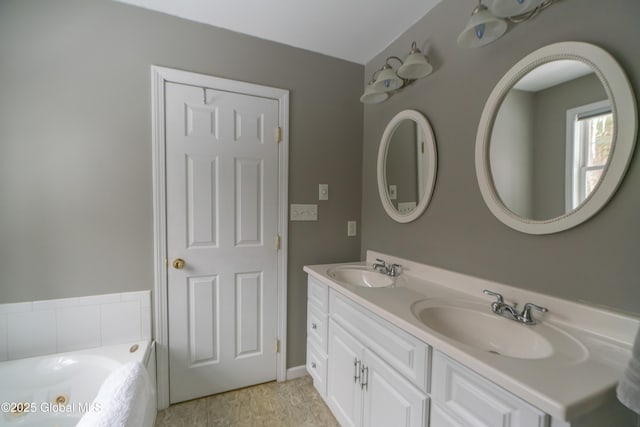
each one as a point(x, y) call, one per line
point(117, 352)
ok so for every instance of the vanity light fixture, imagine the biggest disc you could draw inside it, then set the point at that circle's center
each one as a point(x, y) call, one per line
point(385, 80)
point(487, 24)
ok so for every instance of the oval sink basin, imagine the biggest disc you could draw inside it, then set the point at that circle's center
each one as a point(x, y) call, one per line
point(486, 332)
point(473, 324)
point(360, 275)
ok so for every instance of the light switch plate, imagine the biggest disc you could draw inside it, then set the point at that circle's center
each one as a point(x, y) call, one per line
point(303, 212)
point(323, 192)
point(351, 229)
point(393, 192)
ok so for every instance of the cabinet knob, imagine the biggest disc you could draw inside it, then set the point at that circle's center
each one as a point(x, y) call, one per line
point(314, 326)
point(313, 365)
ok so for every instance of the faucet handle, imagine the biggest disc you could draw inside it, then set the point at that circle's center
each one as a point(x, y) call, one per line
point(383, 262)
point(394, 269)
point(526, 316)
point(494, 294)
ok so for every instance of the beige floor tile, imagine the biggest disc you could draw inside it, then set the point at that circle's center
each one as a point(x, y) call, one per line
point(293, 403)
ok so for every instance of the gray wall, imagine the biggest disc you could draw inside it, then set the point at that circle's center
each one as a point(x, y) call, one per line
point(402, 164)
point(511, 152)
point(75, 145)
point(594, 262)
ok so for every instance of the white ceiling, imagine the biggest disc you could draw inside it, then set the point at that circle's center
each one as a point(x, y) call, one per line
point(551, 74)
point(354, 30)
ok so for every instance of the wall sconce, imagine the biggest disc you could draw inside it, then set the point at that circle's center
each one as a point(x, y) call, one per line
point(486, 26)
point(415, 66)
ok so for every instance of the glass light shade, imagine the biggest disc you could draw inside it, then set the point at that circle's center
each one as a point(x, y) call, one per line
point(415, 66)
point(387, 80)
point(482, 28)
point(372, 96)
point(507, 8)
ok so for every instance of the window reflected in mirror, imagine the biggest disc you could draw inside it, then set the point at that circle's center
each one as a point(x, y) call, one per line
point(589, 138)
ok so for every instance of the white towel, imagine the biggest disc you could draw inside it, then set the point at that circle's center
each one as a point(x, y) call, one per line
point(629, 386)
point(121, 400)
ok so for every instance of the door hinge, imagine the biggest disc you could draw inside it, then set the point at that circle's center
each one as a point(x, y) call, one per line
point(277, 345)
point(278, 134)
point(278, 243)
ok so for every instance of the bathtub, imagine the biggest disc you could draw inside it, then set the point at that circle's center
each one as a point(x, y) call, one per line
point(57, 389)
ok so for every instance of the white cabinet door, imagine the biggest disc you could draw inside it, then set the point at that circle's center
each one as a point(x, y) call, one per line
point(344, 394)
point(363, 390)
point(441, 418)
point(474, 401)
point(389, 399)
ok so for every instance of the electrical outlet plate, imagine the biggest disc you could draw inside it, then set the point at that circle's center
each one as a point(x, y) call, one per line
point(323, 191)
point(303, 212)
point(351, 229)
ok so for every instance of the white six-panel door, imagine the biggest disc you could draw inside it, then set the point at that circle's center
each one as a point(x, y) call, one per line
point(222, 221)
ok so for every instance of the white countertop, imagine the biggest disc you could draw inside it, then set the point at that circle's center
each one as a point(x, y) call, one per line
point(561, 386)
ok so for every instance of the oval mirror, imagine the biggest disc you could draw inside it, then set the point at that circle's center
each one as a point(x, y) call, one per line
point(555, 138)
point(407, 162)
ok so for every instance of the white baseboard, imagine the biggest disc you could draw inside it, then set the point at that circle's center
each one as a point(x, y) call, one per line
point(297, 372)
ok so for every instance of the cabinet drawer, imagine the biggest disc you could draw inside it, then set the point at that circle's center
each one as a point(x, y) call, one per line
point(317, 368)
point(317, 327)
point(475, 401)
point(402, 351)
point(318, 294)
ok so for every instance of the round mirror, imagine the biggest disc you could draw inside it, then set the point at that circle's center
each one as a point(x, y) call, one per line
point(555, 138)
point(406, 166)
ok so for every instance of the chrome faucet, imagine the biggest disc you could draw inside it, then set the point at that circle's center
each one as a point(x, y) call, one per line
point(503, 309)
point(392, 270)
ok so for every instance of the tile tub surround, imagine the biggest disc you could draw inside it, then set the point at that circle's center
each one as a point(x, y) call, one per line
point(59, 325)
point(563, 390)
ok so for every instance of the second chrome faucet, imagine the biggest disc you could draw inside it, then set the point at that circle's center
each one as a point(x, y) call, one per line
point(392, 270)
point(510, 312)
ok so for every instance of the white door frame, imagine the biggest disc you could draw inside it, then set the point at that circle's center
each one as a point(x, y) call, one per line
point(160, 75)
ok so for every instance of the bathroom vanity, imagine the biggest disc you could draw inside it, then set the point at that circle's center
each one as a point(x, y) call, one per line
point(424, 348)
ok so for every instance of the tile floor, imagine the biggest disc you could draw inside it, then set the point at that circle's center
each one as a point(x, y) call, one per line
point(293, 403)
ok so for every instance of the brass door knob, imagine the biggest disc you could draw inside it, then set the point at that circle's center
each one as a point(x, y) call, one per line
point(178, 263)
